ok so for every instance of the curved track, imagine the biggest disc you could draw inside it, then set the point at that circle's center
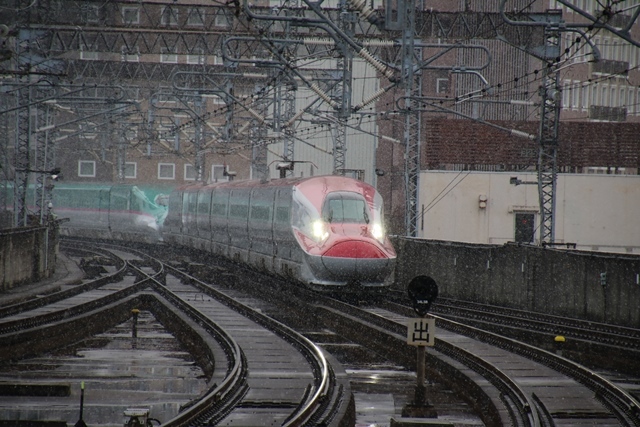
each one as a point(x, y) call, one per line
point(251, 376)
point(509, 382)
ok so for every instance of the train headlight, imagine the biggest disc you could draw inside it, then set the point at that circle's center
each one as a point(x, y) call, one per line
point(320, 230)
point(377, 232)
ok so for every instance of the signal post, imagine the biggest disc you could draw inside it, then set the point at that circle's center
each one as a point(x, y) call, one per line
point(422, 290)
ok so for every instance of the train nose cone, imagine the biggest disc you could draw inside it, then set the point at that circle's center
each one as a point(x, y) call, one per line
point(355, 249)
point(356, 260)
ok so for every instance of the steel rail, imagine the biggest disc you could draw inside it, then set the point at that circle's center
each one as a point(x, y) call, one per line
point(221, 399)
point(520, 406)
point(76, 310)
point(316, 402)
point(121, 267)
point(560, 323)
point(622, 404)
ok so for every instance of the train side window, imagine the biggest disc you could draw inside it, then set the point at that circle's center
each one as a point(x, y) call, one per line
point(260, 213)
point(175, 203)
point(238, 211)
point(203, 203)
point(193, 199)
point(118, 202)
point(219, 209)
point(239, 204)
point(136, 204)
point(219, 205)
point(185, 204)
point(282, 214)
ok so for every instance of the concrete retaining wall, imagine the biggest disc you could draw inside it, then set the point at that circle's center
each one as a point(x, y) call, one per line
point(27, 255)
point(555, 281)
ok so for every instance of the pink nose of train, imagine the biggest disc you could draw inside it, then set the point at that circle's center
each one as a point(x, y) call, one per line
point(357, 260)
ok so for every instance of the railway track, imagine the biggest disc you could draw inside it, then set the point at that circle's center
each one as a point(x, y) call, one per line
point(601, 399)
point(237, 347)
point(508, 381)
point(597, 345)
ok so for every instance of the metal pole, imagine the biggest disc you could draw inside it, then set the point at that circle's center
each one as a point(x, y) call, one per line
point(421, 391)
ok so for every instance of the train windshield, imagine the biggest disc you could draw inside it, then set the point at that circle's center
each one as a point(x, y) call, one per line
point(342, 207)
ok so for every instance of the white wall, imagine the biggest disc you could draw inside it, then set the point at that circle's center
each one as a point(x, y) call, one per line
point(597, 212)
point(316, 145)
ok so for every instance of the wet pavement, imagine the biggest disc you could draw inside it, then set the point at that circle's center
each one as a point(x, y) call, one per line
point(151, 371)
point(154, 372)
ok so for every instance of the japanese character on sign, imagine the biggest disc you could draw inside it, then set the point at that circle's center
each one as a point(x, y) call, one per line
point(421, 331)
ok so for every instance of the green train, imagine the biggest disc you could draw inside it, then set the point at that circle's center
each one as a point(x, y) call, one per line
point(112, 211)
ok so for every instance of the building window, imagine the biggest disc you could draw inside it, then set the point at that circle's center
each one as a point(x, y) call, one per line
point(442, 85)
point(168, 55)
point(524, 227)
point(130, 170)
point(575, 96)
point(585, 97)
point(130, 54)
point(169, 16)
point(606, 48)
point(166, 171)
point(88, 55)
point(624, 52)
point(598, 170)
point(189, 173)
point(87, 169)
point(218, 173)
point(631, 107)
point(195, 17)
point(131, 15)
point(196, 57)
point(566, 94)
point(614, 100)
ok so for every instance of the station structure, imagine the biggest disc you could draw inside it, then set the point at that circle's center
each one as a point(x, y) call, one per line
point(159, 93)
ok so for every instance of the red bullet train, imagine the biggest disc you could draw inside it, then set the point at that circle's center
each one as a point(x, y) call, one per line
point(326, 232)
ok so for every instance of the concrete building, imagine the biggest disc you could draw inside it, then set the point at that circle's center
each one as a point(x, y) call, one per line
point(163, 93)
point(593, 212)
point(490, 121)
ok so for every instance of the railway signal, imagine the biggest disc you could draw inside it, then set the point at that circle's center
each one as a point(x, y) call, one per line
point(423, 291)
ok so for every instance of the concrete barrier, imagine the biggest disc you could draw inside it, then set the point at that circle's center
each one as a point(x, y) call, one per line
point(596, 286)
point(27, 255)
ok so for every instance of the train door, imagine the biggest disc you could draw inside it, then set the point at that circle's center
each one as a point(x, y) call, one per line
point(120, 217)
point(189, 206)
point(238, 218)
point(173, 222)
point(260, 220)
point(282, 236)
point(103, 205)
point(219, 209)
point(203, 218)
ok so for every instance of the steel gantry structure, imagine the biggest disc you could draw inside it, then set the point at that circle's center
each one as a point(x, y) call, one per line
point(550, 93)
point(252, 60)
